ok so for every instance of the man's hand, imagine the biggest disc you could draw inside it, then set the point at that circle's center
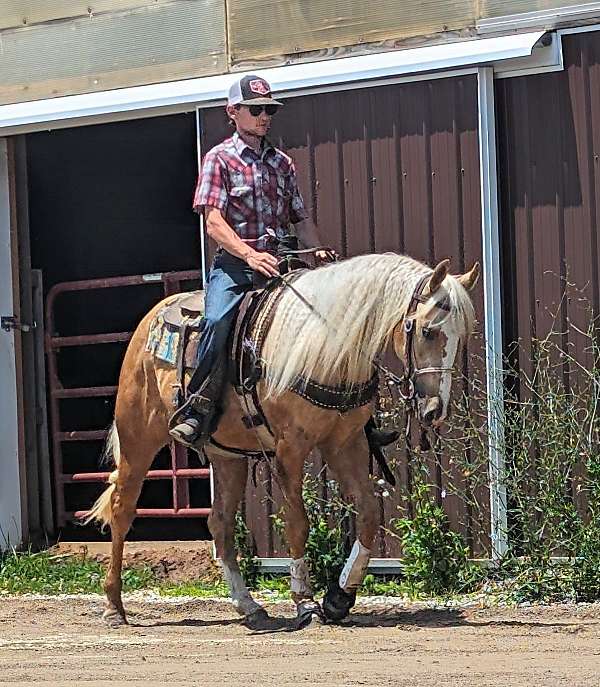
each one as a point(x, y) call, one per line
point(265, 263)
point(328, 255)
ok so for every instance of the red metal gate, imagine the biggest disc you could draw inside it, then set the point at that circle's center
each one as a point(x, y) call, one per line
point(179, 473)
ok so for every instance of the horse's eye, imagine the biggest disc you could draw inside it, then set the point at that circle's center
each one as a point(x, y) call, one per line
point(427, 333)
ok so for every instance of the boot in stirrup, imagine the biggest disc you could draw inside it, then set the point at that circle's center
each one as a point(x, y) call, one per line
point(197, 418)
point(192, 424)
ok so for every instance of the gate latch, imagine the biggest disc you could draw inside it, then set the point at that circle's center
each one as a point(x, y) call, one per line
point(8, 322)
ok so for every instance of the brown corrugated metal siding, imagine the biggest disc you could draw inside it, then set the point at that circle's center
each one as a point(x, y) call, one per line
point(549, 142)
point(385, 168)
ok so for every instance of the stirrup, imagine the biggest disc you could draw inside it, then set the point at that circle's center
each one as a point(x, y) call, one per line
point(203, 411)
point(198, 438)
point(195, 405)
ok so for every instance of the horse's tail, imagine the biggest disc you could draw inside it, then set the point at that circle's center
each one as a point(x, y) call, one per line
point(101, 511)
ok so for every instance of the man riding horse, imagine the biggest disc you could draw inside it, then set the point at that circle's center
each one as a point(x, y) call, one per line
point(249, 194)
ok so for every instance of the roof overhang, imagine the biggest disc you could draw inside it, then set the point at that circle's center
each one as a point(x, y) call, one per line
point(548, 19)
point(289, 80)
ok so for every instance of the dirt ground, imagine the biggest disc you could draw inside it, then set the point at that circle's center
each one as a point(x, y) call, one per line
point(180, 561)
point(62, 641)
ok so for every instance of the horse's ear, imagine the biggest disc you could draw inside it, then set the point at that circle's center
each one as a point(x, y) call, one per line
point(469, 279)
point(438, 276)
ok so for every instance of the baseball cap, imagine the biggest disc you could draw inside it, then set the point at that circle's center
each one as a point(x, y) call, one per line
point(251, 90)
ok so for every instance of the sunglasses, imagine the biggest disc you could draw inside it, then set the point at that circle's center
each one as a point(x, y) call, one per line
point(255, 110)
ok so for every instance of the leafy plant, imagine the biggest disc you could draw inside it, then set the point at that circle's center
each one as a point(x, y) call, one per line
point(374, 585)
point(44, 573)
point(435, 560)
point(549, 437)
point(245, 546)
point(327, 546)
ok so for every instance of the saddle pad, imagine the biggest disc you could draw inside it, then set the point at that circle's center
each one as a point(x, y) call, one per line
point(162, 342)
point(164, 338)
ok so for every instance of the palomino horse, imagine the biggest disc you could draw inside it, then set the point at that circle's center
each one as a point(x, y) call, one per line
point(330, 328)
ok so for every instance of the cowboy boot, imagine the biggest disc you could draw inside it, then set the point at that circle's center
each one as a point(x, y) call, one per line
point(193, 421)
point(196, 420)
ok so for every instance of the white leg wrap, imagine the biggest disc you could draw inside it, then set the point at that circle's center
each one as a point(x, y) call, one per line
point(300, 578)
point(242, 601)
point(356, 567)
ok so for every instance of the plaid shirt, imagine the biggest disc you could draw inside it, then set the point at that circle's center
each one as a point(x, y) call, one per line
point(257, 193)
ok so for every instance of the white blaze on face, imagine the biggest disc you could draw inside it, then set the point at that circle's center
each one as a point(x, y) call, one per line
point(448, 358)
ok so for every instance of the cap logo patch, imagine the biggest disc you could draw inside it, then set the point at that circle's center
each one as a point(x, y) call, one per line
point(259, 86)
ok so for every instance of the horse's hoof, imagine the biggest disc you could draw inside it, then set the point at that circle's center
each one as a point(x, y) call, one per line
point(113, 618)
point(257, 620)
point(308, 612)
point(337, 603)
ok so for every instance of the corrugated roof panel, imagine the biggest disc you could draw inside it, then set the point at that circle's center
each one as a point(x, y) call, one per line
point(263, 28)
point(114, 50)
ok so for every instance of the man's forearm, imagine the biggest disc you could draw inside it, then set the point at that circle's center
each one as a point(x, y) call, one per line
point(219, 230)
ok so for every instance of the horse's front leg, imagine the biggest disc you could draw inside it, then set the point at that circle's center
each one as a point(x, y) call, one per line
point(351, 467)
point(229, 476)
point(290, 470)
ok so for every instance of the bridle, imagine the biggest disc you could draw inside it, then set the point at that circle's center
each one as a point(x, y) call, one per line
point(406, 383)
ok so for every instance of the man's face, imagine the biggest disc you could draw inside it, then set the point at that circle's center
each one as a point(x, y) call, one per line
point(246, 122)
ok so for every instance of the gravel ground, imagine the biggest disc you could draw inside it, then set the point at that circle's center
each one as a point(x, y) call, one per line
point(62, 641)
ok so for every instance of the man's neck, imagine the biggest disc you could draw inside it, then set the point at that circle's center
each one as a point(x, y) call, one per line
point(254, 142)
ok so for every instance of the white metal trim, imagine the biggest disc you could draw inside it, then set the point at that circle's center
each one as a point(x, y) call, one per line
point(588, 28)
point(492, 307)
point(540, 19)
point(11, 532)
point(203, 255)
point(186, 94)
point(546, 58)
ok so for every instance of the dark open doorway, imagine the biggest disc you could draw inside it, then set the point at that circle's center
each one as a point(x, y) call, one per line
point(104, 201)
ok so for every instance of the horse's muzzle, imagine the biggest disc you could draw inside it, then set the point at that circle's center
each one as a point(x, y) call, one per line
point(432, 411)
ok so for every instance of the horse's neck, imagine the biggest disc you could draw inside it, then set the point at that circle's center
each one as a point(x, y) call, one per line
point(353, 325)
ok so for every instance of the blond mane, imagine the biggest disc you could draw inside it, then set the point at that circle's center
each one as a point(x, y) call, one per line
point(356, 305)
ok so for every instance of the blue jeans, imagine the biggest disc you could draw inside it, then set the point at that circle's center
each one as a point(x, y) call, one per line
point(228, 281)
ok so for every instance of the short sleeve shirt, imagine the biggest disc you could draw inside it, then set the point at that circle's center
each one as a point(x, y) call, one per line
point(257, 192)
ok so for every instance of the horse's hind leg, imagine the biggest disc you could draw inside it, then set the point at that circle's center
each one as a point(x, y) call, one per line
point(230, 476)
point(136, 455)
point(291, 454)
